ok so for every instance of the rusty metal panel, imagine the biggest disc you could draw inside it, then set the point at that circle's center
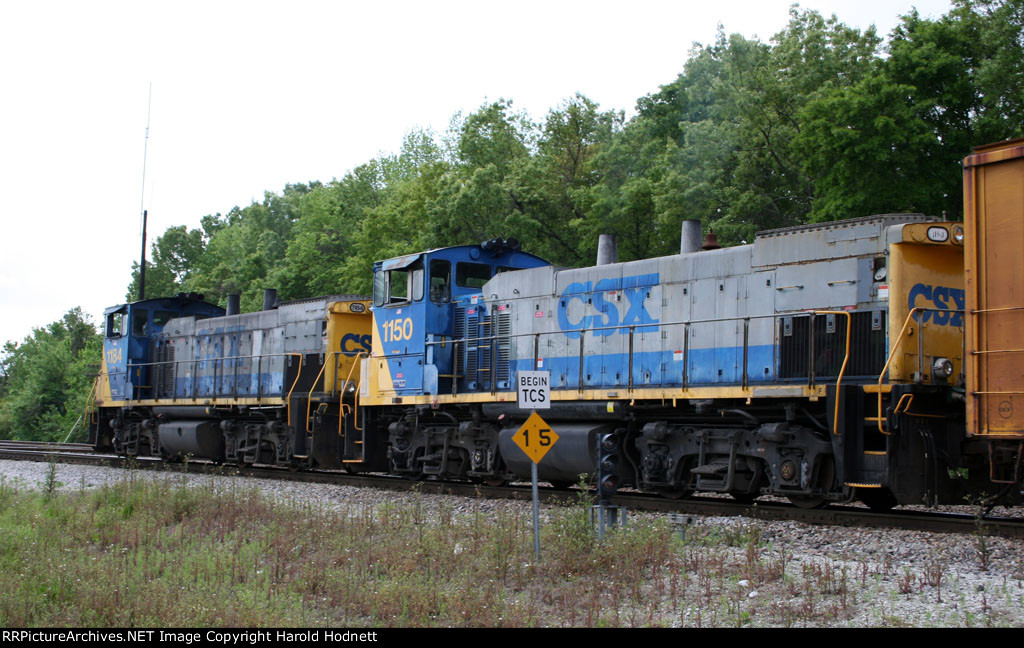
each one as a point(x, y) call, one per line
point(994, 275)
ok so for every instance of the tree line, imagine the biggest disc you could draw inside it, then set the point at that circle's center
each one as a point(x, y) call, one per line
point(823, 122)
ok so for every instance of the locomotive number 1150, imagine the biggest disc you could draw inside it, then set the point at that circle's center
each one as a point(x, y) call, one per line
point(397, 330)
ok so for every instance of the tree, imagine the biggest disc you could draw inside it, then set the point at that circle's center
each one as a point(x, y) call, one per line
point(174, 258)
point(46, 379)
point(895, 140)
point(550, 191)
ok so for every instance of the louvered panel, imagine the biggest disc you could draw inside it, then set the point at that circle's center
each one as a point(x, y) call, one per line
point(503, 328)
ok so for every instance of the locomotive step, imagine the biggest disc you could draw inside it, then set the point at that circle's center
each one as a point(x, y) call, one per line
point(710, 469)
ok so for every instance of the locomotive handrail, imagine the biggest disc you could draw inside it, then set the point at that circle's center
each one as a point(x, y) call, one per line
point(288, 399)
point(360, 355)
point(1004, 309)
point(309, 395)
point(486, 338)
point(455, 342)
point(842, 370)
point(895, 345)
point(219, 359)
point(90, 402)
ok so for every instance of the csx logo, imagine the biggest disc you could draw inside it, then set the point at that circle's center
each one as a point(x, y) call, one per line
point(351, 344)
point(607, 315)
point(941, 297)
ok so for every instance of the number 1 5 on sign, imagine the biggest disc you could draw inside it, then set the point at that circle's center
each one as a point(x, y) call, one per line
point(535, 438)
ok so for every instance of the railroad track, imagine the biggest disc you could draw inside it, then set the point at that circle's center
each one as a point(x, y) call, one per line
point(679, 511)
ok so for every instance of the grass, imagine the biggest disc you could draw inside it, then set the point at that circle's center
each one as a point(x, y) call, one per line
point(155, 552)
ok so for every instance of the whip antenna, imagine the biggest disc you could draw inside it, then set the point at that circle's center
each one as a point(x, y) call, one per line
point(142, 206)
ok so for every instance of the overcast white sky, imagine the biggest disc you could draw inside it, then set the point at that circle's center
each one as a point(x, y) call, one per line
point(250, 96)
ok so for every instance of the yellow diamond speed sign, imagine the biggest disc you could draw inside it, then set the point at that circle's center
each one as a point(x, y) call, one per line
point(535, 437)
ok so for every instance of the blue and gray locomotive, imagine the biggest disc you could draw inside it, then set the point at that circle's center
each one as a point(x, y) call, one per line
point(777, 367)
point(823, 363)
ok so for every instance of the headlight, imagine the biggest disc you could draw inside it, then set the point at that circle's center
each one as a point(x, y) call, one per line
point(958, 234)
point(942, 368)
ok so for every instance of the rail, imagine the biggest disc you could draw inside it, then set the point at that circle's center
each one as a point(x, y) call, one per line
point(295, 381)
point(90, 413)
point(334, 386)
point(986, 311)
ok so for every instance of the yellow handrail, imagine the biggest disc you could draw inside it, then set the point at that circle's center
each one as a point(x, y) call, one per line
point(888, 361)
point(309, 396)
point(90, 402)
point(355, 421)
point(842, 370)
point(288, 399)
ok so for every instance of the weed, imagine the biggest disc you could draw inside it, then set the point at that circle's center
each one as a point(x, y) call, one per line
point(50, 484)
point(905, 582)
point(934, 570)
point(981, 537)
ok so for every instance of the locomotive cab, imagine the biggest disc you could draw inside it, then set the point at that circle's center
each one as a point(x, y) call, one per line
point(127, 332)
point(415, 312)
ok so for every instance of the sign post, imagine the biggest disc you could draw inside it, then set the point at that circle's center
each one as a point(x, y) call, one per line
point(535, 438)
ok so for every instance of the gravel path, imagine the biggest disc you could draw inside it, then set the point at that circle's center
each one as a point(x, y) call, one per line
point(890, 574)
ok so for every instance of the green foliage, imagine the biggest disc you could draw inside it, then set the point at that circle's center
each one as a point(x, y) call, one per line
point(822, 122)
point(174, 258)
point(894, 140)
point(46, 379)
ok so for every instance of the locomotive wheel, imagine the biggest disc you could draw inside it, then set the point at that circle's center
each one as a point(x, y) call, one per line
point(683, 486)
point(807, 501)
point(826, 475)
point(674, 493)
point(745, 498)
point(878, 500)
point(495, 482)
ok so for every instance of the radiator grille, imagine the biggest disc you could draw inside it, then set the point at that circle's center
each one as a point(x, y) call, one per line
point(867, 345)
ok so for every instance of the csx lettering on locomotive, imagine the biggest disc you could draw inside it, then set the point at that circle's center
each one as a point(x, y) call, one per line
point(607, 317)
point(941, 297)
point(352, 344)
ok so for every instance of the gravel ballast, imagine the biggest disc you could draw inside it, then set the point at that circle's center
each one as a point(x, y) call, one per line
point(890, 574)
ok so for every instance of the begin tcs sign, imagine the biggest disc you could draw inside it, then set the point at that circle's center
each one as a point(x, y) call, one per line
point(533, 389)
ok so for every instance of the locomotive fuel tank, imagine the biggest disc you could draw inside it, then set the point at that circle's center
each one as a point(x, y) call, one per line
point(574, 454)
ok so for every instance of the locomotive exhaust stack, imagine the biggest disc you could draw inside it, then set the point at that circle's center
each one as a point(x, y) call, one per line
point(690, 239)
point(607, 249)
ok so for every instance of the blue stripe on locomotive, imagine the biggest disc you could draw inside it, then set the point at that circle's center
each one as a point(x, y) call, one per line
point(712, 366)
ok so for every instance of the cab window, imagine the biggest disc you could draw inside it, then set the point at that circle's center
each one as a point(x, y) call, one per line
point(472, 275)
point(416, 276)
point(398, 286)
point(139, 319)
point(440, 277)
point(115, 324)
